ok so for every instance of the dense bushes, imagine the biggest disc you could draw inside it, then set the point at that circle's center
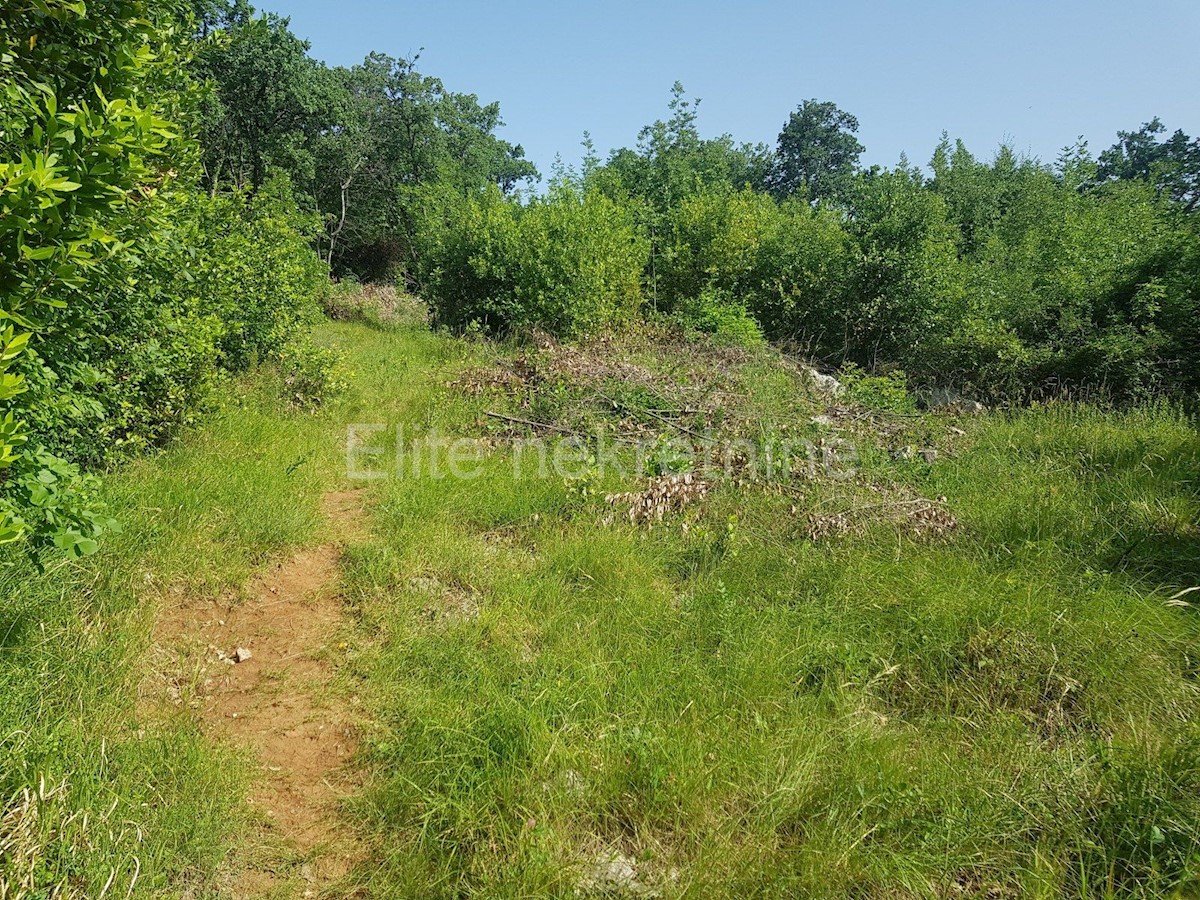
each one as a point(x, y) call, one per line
point(1007, 279)
point(124, 291)
point(570, 262)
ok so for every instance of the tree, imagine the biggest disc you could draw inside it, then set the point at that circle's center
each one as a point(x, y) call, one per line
point(395, 139)
point(1172, 165)
point(817, 153)
point(268, 97)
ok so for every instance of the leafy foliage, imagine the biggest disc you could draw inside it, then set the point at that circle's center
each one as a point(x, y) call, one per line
point(817, 154)
point(1171, 165)
point(124, 292)
point(570, 262)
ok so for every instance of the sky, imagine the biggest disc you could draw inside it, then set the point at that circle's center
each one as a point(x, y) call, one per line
point(1036, 75)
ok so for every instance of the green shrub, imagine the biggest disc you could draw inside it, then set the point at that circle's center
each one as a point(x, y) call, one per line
point(124, 292)
point(570, 263)
point(251, 262)
point(717, 314)
point(85, 93)
point(311, 374)
point(716, 243)
point(798, 292)
point(886, 391)
point(905, 285)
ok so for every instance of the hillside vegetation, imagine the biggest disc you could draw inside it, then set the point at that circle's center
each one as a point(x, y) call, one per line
point(729, 520)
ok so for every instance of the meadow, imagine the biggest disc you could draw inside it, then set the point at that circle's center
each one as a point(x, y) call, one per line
point(558, 700)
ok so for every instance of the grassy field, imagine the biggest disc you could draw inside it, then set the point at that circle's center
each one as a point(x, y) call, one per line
point(829, 686)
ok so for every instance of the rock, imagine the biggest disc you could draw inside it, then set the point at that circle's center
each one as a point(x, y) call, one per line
point(574, 783)
point(241, 654)
point(904, 453)
point(612, 873)
point(821, 420)
point(951, 401)
point(826, 385)
point(929, 455)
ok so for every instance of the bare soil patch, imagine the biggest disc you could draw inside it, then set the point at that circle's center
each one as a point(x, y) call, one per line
point(258, 670)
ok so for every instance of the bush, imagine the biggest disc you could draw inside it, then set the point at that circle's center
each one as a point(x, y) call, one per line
point(799, 283)
point(250, 260)
point(85, 93)
point(905, 285)
point(717, 314)
point(570, 263)
point(716, 244)
point(124, 292)
point(311, 374)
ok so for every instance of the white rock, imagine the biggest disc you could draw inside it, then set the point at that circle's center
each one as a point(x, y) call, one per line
point(612, 872)
point(826, 384)
point(241, 654)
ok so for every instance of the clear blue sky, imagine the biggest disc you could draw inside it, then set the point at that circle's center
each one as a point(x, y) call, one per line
point(1035, 74)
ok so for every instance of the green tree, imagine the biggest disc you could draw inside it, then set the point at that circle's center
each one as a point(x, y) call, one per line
point(396, 145)
point(1171, 165)
point(268, 98)
point(817, 153)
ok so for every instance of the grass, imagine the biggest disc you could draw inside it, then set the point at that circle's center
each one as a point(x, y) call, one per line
point(728, 709)
point(135, 798)
point(739, 710)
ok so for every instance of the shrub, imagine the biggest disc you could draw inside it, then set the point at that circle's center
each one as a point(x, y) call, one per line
point(905, 285)
point(123, 291)
point(251, 262)
point(570, 263)
point(311, 374)
point(717, 314)
point(85, 93)
point(716, 243)
point(798, 291)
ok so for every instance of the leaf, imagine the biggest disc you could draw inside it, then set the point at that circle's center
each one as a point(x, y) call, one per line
point(63, 185)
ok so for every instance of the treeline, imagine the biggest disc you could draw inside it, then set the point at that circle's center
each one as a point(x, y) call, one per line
point(1007, 278)
point(1003, 278)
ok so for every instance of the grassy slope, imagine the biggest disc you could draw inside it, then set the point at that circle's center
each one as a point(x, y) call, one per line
point(739, 711)
point(1009, 712)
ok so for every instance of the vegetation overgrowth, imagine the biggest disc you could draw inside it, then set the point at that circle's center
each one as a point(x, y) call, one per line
point(932, 650)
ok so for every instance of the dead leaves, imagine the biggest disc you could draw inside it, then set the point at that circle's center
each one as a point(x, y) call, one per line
point(665, 495)
point(918, 517)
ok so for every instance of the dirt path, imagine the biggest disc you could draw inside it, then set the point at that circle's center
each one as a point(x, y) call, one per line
point(276, 703)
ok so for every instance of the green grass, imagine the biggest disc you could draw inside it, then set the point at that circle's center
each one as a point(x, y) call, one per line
point(137, 795)
point(1007, 711)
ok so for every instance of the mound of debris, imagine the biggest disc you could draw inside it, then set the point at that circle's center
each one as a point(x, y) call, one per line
point(918, 516)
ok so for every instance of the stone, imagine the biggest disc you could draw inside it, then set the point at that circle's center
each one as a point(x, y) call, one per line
point(826, 385)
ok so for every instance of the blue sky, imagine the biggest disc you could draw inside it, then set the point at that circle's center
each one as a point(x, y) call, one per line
point(1034, 74)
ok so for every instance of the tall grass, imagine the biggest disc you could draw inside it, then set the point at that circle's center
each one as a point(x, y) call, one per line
point(734, 709)
point(743, 712)
point(101, 784)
